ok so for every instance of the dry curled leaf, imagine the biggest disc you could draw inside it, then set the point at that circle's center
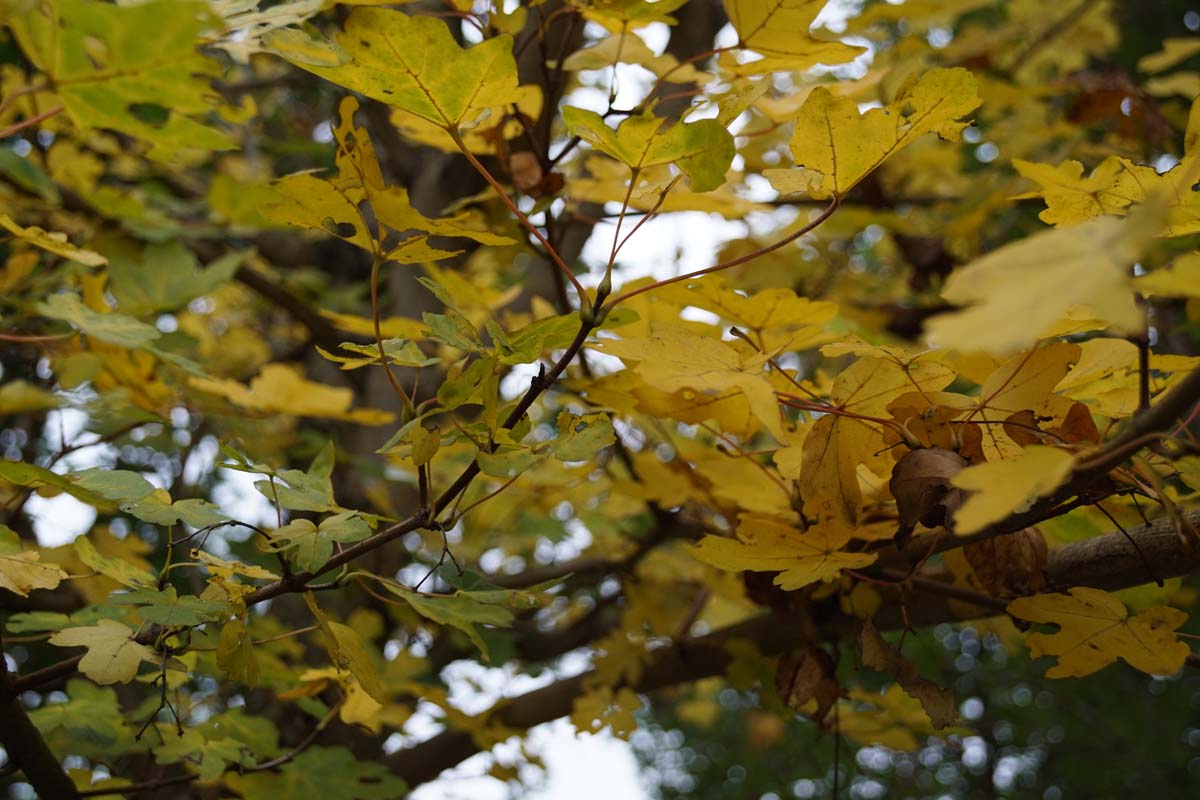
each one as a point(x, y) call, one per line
point(808, 676)
point(921, 486)
point(883, 656)
point(1009, 566)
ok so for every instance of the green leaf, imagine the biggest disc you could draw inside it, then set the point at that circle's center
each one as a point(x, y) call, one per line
point(460, 611)
point(38, 621)
point(167, 608)
point(309, 546)
point(167, 277)
point(508, 460)
point(158, 509)
point(400, 353)
point(235, 653)
point(91, 714)
point(304, 491)
point(414, 64)
point(327, 773)
point(209, 758)
point(702, 150)
point(580, 438)
point(113, 328)
point(35, 477)
point(454, 330)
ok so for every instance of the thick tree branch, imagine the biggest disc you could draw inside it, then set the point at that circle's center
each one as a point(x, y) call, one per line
point(1106, 562)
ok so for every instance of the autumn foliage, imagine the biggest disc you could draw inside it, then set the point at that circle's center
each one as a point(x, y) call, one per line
point(339, 326)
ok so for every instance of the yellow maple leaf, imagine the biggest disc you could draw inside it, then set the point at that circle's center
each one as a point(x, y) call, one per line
point(1114, 186)
point(1180, 279)
point(1095, 629)
point(835, 146)
point(602, 708)
point(1022, 383)
point(780, 318)
point(674, 359)
point(779, 31)
point(837, 444)
point(1037, 280)
point(1002, 487)
point(52, 242)
point(765, 544)
point(282, 389)
point(20, 571)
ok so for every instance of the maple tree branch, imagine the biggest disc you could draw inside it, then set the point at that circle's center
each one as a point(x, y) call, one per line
point(24, 745)
point(528, 223)
point(1106, 562)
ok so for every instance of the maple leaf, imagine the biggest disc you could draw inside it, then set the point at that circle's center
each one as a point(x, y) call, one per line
point(779, 31)
point(1001, 488)
point(703, 150)
point(764, 544)
point(1023, 383)
point(112, 654)
point(1095, 629)
point(52, 242)
point(835, 146)
point(603, 708)
point(837, 444)
point(673, 359)
point(20, 571)
point(310, 545)
point(104, 65)
point(282, 389)
point(413, 64)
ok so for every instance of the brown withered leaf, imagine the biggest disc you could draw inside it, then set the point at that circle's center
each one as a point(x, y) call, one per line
point(808, 676)
point(1078, 426)
point(526, 170)
point(921, 487)
point(882, 656)
point(1022, 427)
point(928, 417)
point(1009, 566)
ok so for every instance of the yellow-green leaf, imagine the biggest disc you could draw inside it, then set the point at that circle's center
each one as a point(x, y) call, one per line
point(112, 654)
point(20, 570)
point(1095, 629)
point(133, 68)
point(703, 150)
point(413, 64)
point(52, 242)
